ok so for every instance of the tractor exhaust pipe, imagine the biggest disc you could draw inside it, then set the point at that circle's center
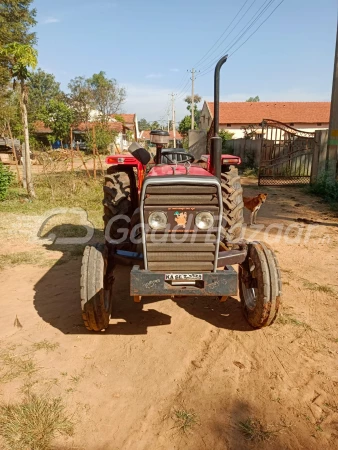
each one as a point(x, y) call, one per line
point(216, 141)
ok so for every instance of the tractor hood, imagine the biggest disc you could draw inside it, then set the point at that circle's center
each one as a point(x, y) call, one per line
point(179, 170)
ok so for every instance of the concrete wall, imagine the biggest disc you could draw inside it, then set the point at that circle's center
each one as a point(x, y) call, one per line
point(197, 143)
point(319, 155)
point(248, 150)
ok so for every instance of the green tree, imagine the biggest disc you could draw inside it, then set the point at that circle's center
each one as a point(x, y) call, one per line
point(16, 20)
point(95, 93)
point(185, 125)
point(226, 136)
point(155, 126)
point(197, 112)
point(253, 99)
point(42, 88)
point(103, 137)
point(143, 125)
point(107, 95)
point(80, 99)
point(58, 116)
point(20, 57)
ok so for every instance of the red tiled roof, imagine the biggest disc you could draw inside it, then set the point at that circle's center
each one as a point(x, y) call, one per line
point(145, 134)
point(128, 118)
point(113, 126)
point(287, 112)
point(39, 127)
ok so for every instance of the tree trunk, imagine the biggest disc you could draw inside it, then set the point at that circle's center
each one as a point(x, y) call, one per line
point(23, 101)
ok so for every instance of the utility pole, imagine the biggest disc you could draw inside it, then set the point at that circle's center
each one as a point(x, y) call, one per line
point(193, 74)
point(192, 99)
point(332, 150)
point(173, 114)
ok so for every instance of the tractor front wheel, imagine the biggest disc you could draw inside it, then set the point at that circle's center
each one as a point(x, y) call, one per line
point(260, 285)
point(232, 220)
point(96, 288)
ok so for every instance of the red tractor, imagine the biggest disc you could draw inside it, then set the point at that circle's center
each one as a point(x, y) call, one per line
point(178, 224)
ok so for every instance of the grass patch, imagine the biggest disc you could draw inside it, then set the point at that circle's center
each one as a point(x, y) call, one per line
point(185, 420)
point(253, 430)
point(318, 288)
point(250, 172)
point(14, 366)
point(61, 189)
point(287, 319)
point(46, 345)
point(16, 259)
point(34, 423)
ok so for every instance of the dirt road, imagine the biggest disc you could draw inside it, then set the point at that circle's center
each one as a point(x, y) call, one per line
point(160, 360)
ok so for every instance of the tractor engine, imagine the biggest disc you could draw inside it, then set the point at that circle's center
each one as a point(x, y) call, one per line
point(181, 215)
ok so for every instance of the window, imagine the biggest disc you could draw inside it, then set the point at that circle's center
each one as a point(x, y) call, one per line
point(319, 124)
point(228, 124)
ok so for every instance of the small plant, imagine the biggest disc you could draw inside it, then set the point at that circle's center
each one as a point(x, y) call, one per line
point(34, 423)
point(6, 178)
point(253, 430)
point(287, 319)
point(185, 420)
point(318, 287)
point(14, 366)
point(46, 345)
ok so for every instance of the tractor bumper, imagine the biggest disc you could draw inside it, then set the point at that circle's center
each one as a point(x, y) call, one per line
point(146, 283)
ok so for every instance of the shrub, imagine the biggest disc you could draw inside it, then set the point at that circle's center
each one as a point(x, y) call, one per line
point(6, 178)
point(326, 188)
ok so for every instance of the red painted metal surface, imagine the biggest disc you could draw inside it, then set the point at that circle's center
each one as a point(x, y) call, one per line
point(162, 170)
point(128, 160)
point(226, 159)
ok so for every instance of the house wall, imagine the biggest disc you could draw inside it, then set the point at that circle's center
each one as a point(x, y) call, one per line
point(239, 134)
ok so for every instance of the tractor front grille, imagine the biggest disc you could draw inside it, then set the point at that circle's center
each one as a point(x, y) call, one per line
point(179, 248)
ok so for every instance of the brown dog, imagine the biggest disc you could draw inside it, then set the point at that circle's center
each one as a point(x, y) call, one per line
point(253, 204)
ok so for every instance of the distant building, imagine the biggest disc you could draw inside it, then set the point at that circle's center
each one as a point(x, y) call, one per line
point(126, 130)
point(305, 116)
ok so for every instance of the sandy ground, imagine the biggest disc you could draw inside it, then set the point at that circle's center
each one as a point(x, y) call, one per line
point(194, 354)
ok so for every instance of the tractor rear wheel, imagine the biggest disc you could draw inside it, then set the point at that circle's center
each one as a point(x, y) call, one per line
point(232, 220)
point(120, 199)
point(96, 288)
point(260, 285)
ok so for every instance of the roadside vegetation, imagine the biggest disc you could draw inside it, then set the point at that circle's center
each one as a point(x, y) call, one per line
point(59, 189)
point(327, 190)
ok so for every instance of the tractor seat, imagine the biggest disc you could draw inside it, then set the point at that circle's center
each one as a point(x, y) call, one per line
point(179, 158)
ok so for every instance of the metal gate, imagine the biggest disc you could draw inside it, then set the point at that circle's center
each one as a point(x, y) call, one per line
point(286, 154)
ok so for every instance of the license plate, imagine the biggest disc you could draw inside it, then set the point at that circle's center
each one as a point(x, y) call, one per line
point(183, 276)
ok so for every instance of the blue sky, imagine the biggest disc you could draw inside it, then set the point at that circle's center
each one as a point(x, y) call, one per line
point(148, 47)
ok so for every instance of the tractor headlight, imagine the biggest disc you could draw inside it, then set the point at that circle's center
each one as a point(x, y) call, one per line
point(157, 220)
point(204, 220)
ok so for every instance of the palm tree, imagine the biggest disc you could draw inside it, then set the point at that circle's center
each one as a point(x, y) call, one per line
point(20, 58)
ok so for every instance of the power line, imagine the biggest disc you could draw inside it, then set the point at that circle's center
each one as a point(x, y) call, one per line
point(264, 7)
point(254, 32)
point(205, 56)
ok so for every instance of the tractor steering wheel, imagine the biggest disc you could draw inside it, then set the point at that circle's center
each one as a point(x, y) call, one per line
point(186, 157)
